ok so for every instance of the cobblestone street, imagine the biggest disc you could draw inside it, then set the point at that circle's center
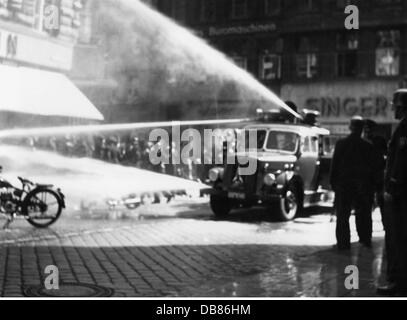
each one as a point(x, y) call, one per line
point(180, 250)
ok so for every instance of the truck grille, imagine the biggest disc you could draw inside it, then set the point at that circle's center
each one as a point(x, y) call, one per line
point(232, 180)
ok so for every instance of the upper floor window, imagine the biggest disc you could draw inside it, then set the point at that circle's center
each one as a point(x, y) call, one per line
point(270, 61)
point(347, 45)
point(207, 10)
point(308, 5)
point(342, 4)
point(32, 13)
point(270, 66)
point(179, 10)
point(240, 61)
point(388, 53)
point(307, 59)
point(307, 65)
point(387, 2)
point(272, 7)
point(239, 9)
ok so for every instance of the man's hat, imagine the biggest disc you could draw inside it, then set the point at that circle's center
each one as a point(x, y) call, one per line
point(357, 119)
point(400, 98)
point(357, 122)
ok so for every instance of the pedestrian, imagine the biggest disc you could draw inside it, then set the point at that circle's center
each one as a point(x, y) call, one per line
point(380, 146)
point(112, 149)
point(98, 141)
point(69, 145)
point(352, 177)
point(395, 185)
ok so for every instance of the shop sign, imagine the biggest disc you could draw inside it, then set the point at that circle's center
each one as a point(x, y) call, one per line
point(36, 50)
point(240, 30)
point(346, 107)
point(340, 101)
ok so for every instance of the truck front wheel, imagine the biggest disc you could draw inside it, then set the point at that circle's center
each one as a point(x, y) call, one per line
point(290, 204)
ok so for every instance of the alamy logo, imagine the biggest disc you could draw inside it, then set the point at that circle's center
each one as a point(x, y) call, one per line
point(352, 20)
point(186, 147)
point(52, 280)
point(352, 280)
point(51, 17)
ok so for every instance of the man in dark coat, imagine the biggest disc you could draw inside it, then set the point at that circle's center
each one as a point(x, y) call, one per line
point(396, 196)
point(381, 148)
point(354, 166)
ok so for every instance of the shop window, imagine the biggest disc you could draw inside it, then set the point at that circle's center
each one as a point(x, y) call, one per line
point(270, 66)
point(207, 10)
point(388, 53)
point(239, 9)
point(347, 56)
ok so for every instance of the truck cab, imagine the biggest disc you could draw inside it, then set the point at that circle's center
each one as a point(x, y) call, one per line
point(293, 164)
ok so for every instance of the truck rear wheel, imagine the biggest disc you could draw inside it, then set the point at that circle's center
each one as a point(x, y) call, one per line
point(220, 206)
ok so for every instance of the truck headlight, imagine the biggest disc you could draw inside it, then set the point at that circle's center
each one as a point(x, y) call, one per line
point(214, 175)
point(269, 179)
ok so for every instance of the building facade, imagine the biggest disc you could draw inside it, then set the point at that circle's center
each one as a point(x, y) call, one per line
point(301, 50)
point(42, 35)
point(39, 33)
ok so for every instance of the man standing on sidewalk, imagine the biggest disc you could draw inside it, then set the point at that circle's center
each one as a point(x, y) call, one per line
point(381, 147)
point(353, 179)
point(396, 196)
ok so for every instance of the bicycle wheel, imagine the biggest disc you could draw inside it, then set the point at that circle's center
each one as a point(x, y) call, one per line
point(42, 207)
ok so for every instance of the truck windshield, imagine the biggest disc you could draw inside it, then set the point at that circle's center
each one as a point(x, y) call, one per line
point(282, 141)
point(255, 139)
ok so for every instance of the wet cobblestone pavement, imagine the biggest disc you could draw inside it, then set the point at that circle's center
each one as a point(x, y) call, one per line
point(179, 250)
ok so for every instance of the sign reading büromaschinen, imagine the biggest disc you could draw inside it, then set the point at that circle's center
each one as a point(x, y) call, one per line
point(247, 29)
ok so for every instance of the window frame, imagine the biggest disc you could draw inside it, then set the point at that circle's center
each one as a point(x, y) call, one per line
point(233, 12)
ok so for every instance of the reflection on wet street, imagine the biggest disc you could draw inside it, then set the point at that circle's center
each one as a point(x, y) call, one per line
point(179, 249)
point(320, 274)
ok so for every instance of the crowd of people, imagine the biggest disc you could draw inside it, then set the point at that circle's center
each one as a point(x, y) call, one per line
point(127, 150)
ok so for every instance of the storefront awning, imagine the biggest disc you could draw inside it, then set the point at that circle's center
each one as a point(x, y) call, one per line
point(43, 93)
